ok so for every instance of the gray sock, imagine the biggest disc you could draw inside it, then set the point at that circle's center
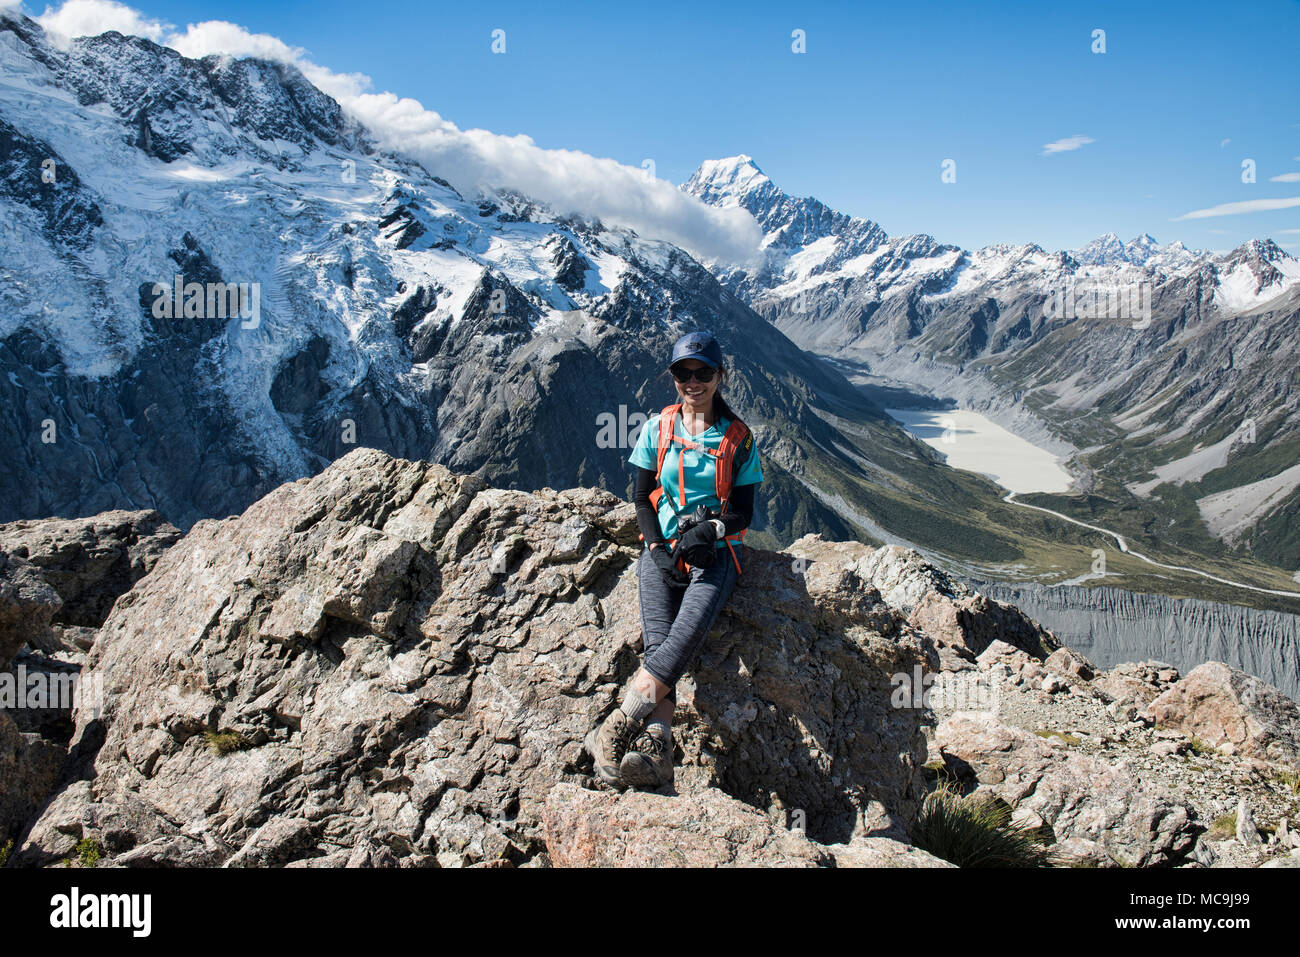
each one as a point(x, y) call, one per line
point(636, 705)
point(665, 729)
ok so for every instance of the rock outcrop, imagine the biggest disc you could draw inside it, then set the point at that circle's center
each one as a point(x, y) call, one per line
point(89, 562)
point(1230, 710)
point(392, 663)
point(58, 580)
point(1077, 796)
point(709, 829)
point(961, 621)
point(27, 606)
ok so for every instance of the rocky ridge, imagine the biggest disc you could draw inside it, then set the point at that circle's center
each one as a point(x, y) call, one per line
point(392, 664)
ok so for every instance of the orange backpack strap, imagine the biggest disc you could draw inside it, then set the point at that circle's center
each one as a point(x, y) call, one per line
point(667, 426)
point(733, 451)
point(667, 420)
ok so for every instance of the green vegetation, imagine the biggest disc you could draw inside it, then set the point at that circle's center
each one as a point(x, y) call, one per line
point(1223, 827)
point(976, 831)
point(1288, 778)
point(5, 849)
point(89, 853)
point(226, 742)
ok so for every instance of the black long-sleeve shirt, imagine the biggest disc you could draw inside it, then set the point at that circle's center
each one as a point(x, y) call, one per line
point(740, 509)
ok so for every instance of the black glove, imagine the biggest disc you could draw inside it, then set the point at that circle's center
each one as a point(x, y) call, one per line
point(696, 545)
point(673, 576)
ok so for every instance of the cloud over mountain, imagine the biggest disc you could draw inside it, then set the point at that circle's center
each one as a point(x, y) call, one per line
point(570, 181)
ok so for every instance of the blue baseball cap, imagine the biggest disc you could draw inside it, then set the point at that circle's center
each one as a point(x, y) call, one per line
point(698, 345)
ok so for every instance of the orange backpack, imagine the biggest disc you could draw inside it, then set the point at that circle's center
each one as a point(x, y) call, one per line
point(732, 453)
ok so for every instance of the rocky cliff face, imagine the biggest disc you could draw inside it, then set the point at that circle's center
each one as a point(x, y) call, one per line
point(392, 664)
point(1111, 626)
point(58, 580)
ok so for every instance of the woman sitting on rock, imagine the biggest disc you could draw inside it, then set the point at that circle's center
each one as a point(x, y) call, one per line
point(698, 470)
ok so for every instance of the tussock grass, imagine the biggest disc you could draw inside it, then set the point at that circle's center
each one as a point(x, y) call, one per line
point(975, 831)
point(1223, 827)
point(88, 852)
point(226, 742)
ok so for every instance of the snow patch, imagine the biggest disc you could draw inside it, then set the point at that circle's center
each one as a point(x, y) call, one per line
point(1235, 510)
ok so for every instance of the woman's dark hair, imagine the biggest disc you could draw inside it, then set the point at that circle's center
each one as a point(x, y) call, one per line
point(720, 407)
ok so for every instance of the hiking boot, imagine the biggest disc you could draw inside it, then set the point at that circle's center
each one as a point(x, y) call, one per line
point(608, 743)
point(649, 762)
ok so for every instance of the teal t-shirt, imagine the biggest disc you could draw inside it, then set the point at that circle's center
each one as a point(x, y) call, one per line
point(697, 467)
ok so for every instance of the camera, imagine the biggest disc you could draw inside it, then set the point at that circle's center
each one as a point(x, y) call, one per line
point(701, 514)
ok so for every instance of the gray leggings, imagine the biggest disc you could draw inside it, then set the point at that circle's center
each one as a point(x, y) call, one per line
point(675, 621)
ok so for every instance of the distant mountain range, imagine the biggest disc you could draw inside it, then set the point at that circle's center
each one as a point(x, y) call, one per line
point(486, 332)
point(215, 282)
point(1170, 372)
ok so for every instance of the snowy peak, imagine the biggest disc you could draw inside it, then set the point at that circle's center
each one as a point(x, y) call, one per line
point(725, 182)
point(1258, 253)
point(1255, 273)
point(801, 236)
point(1143, 251)
point(209, 110)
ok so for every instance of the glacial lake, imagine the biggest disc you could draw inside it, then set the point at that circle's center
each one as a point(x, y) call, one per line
point(971, 442)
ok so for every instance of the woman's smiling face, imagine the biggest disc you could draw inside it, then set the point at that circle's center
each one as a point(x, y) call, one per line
point(696, 395)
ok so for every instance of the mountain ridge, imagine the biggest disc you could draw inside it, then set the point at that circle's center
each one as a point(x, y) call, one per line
point(1160, 366)
point(420, 698)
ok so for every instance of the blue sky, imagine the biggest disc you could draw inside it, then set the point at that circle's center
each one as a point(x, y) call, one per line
point(884, 94)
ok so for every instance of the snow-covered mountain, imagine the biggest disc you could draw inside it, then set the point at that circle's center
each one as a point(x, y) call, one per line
point(1157, 360)
point(371, 303)
point(380, 307)
point(1142, 251)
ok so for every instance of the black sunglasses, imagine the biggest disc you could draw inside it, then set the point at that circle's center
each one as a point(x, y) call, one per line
point(702, 374)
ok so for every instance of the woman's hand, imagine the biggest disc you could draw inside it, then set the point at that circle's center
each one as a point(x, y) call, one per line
point(697, 546)
point(673, 576)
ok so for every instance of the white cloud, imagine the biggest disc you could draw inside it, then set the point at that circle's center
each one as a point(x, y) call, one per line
point(1285, 178)
point(566, 180)
point(1067, 144)
point(89, 18)
point(1224, 142)
point(1245, 206)
point(221, 36)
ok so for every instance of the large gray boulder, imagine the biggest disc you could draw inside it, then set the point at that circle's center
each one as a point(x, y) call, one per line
point(1230, 710)
point(707, 829)
point(1077, 796)
point(390, 663)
